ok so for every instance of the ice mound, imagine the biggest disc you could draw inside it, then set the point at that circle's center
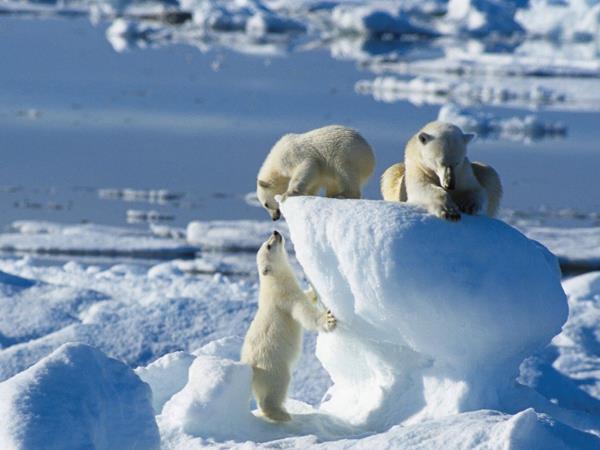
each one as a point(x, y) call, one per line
point(434, 317)
point(166, 376)
point(95, 401)
point(214, 402)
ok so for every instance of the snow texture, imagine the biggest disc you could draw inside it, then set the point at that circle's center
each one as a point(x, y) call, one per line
point(77, 398)
point(408, 347)
point(166, 321)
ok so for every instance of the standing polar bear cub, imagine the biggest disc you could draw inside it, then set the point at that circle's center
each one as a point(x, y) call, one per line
point(274, 339)
point(335, 158)
point(438, 175)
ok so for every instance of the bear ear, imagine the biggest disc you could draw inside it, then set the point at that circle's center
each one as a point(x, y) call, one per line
point(267, 270)
point(424, 138)
point(468, 137)
point(263, 184)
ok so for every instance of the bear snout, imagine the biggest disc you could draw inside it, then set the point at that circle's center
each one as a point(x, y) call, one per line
point(448, 179)
point(276, 215)
point(277, 236)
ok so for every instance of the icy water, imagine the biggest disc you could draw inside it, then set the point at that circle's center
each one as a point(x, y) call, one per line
point(80, 122)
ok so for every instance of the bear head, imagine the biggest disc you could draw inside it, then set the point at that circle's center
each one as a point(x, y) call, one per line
point(443, 150)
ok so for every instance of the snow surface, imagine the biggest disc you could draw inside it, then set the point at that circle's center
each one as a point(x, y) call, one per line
point(436, 348)
point(165, 320)
point(77, 398)
point(90, 240)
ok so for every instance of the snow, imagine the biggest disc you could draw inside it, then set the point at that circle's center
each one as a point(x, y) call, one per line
point(443, 90)
point(90, 240)
point(577, 248)
point(372, 264)
point(481, 17)
point(166, 376)
point(487, 126)
point(238, 235)
point(183, 330)
point(214, 402)
point(94, 401)
point(573, 19)
point(381, 19)
point(578, 346)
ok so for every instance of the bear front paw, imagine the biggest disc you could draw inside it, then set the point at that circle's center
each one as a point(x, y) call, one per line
point(470, 206)
point(448, 212)
point(330, 322)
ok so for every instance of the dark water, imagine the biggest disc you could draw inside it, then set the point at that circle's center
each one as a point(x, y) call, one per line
point(76, 117)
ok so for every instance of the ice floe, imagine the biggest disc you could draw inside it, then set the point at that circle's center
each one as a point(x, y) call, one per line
point(487, 126)
point(49, 238)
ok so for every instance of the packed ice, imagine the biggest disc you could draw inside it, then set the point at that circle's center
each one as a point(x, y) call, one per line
point(481, 360)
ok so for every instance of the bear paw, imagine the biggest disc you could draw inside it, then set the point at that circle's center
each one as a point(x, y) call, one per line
point(329, 321)
point(448, 212)
point(277, 415)
point(470, 206)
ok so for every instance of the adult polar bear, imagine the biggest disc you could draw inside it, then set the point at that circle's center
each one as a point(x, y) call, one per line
point(334, 157)
point(274, 339)
point(438, 175)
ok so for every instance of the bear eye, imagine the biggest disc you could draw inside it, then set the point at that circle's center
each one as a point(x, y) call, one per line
point(266, 206)
point(269, 247)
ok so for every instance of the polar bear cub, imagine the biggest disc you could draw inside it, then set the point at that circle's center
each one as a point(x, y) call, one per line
point(274, 339)
point(335, 158)
point(438, 175)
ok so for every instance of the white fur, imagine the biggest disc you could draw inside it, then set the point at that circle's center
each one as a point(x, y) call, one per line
point(274, 339)
point(438, 175)
point(334, 158)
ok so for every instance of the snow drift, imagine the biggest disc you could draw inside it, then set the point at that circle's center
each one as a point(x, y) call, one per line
point(95, 401)
point(434, 317)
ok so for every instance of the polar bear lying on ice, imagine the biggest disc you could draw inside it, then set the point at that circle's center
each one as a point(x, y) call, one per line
point(437, 174)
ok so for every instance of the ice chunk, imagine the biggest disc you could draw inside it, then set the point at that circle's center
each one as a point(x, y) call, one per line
point(381, 19)
point(215, 402)
point(434, 317)
point(77, 397)
point(486, 125)
point(482, 17)
point(166, 376)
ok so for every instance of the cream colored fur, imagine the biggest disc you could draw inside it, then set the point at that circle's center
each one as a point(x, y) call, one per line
point(274, 339)
point(334, 158)
point(438, 175)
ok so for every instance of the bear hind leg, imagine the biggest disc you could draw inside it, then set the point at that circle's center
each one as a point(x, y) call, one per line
point(270, 389)
point(489, 180)
point(348, 187)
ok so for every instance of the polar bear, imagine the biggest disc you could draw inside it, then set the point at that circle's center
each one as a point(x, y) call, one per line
point(274, 339)
point(438, 175)
point(334, 157)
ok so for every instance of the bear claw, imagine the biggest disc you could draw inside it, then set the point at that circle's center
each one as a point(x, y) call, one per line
point(330, 321)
